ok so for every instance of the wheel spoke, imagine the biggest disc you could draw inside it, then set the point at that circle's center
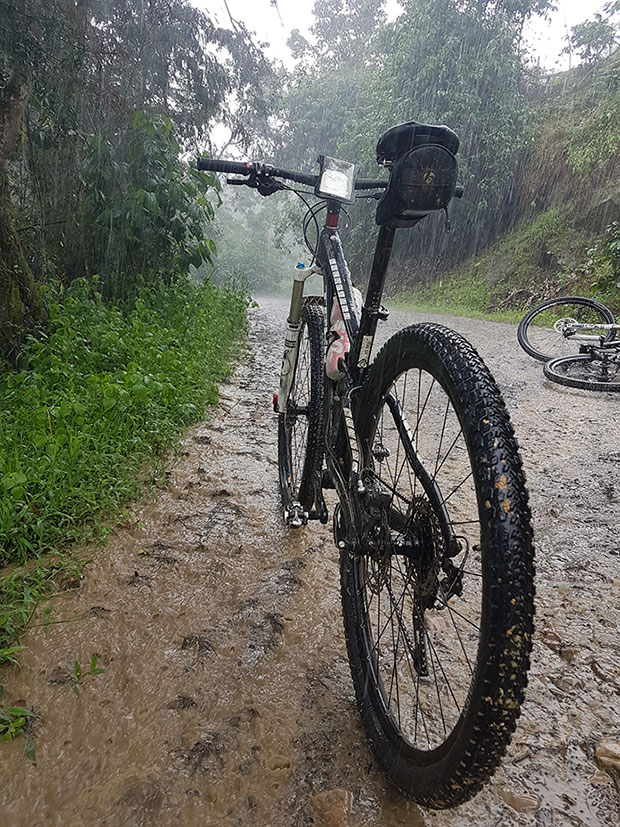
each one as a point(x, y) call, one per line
point(420, 589)
point(425, 705)
point(300, 450)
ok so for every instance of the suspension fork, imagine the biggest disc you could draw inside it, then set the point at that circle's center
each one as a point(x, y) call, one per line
point(291, 339)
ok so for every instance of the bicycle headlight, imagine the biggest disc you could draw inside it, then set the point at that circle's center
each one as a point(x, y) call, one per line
point(336, 180)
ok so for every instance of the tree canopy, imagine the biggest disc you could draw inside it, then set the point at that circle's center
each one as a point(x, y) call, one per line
point(99, 99)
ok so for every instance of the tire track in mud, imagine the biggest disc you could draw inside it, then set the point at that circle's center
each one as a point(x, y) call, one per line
point(227, 698)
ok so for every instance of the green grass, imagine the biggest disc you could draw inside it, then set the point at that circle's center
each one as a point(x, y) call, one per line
point(427, 302)
point(90, 417)
point(465, 294)
point(543, 257)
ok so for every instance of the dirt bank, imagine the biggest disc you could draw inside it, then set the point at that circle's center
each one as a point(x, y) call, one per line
point(227, 698)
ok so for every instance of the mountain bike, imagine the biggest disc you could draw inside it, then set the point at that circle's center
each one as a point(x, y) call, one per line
point(432, 519)
point(576, 339)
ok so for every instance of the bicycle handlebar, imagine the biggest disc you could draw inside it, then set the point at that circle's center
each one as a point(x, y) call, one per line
point(231, 167)
point(247, 168)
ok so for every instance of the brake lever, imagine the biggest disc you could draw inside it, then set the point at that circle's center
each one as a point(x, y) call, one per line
point(264, 183)
point(260, 181)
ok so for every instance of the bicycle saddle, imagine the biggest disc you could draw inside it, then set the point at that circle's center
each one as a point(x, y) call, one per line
point(404, 137)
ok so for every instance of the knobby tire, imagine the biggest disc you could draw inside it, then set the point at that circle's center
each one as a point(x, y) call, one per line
point(586, 372)
point(300, 441)
point(461, 752)
point(598, 313)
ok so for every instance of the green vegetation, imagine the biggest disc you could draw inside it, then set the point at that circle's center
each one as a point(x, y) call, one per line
point(79, 673)
point(91, 414)
point(107, 350)
point(458, 62)
point(22, 588)
point(595, 136)
point(12, 721)
point(567, 240)
point(544, 256)
point(103, 393)
point(257, 245)
point(93, 178)
point(539, 155)
point(146, 210)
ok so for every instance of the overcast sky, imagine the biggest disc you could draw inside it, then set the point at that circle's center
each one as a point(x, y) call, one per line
point(271, 24)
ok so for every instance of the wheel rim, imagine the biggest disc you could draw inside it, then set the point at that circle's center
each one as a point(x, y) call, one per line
point(421, 637)
point(545, 330)
point(588, 370)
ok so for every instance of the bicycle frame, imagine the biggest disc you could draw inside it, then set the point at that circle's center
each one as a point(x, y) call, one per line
point(569, 328)
point(337, 283)
point(346, 458)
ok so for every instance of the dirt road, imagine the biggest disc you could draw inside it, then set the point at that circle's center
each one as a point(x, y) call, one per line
point(227, 698)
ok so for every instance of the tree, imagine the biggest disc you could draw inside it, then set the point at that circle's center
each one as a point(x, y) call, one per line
point(457, 62)
point(20, 302)
point(344, 29)
point(98, 98)
point(594, 39)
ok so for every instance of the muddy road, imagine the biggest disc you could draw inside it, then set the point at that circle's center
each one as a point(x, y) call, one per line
point(227, 698)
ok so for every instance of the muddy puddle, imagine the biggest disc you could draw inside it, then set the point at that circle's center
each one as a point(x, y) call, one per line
point(227, 698)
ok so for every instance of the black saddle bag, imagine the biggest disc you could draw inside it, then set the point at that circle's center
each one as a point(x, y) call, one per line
point(423, 172)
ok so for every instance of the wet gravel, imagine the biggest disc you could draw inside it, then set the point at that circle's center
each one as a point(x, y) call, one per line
point(227, 698)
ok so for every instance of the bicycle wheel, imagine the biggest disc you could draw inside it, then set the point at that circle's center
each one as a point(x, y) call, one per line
point(439, 617)
point(300, 446)
point(588, 371)
point(540, 339)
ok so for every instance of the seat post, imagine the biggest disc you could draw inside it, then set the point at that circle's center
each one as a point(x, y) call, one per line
point(376, 283)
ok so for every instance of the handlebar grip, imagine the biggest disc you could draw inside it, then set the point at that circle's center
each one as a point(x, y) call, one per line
point(230, 167)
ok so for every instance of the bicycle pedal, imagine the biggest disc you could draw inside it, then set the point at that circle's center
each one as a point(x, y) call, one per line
point(295, 516)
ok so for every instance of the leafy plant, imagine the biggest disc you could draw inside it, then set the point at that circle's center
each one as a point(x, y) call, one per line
point(23, 589)
point(146, 210)
point(89, 418)
point(13, 719)
point(79, 673)
point(9, 653)
point(594, 38)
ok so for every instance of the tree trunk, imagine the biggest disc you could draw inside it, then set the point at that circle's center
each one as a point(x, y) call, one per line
point(20, 303)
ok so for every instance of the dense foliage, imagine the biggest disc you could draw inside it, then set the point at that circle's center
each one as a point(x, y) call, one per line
point(97, 99)
point(106, 347)
point(100, 393)
point(440, 61)
point(98, 401)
